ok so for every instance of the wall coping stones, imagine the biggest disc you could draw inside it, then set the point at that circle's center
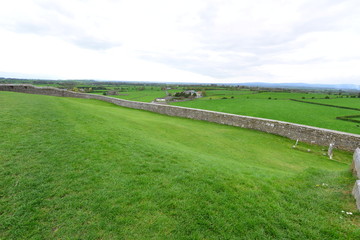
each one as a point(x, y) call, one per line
point(304, 133)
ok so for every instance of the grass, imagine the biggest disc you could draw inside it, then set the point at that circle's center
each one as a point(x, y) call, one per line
point(86, 169)
point(344, 102)
point(141, 96)
point(246, 94)
point(284, 110)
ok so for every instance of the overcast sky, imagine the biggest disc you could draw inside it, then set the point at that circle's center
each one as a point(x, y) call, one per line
point(182, 40)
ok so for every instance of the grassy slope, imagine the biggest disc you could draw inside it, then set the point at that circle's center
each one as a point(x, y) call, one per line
point(284, 110)
point(75, 168)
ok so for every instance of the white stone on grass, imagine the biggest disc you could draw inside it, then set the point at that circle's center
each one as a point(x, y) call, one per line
point(330, 150)
point(356, 163)
point(356, 193)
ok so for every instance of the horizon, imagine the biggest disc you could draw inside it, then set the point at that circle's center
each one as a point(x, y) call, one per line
point(245, 84)
point(223, 42)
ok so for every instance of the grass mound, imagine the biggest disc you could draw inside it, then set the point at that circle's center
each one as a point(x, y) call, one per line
point(86, 169)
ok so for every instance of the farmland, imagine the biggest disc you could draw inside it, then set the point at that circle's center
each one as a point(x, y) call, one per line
point(257, 102)
point(278, 106)
point(76, 168)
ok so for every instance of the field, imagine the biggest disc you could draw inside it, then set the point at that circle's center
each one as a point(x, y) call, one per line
point(140, 96)
point(279, 107)
point(86, 169)
point(247, 94)
point(345, 102)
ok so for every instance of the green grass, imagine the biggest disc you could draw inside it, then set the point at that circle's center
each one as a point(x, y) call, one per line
point(86, 169)
point(344, 102)
point(246, 94)
point(284, 110)
point(141, 96)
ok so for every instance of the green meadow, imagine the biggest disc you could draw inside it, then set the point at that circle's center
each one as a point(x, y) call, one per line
point(283, 109)
point(344, 102)
point(247, 94)
point(141, 96)
point(86, 169)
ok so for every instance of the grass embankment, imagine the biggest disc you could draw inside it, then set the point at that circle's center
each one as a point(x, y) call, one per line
point(283, 110)
point(86, 169)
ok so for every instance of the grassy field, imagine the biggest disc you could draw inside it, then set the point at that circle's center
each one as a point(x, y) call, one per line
point(141, 96)
point(247, 94)
point(284, 110)
point(86, 169)
point(344, 102)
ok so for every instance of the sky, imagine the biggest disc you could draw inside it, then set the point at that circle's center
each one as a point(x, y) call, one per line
point(203, 41)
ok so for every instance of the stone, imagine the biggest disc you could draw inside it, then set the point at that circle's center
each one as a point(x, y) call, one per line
point(356, 163)
point(297, 141)
point(330, 150)
point(356, 193)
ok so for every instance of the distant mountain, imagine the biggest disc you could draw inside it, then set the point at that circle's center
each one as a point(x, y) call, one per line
point(301, 85)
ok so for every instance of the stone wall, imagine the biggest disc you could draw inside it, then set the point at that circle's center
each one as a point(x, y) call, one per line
point(314, 135)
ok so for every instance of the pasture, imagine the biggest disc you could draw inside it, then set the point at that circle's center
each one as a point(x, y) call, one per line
point(277, 106)
point(86, 169)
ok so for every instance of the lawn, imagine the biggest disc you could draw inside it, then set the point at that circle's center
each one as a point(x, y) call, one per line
point(86, 169)
point(284, 110)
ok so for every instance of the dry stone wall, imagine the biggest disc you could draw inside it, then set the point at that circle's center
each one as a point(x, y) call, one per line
point(314, 135)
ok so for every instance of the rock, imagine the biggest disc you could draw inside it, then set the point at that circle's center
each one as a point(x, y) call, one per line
point(356, 163)
point(330, 150)
point(356, 193)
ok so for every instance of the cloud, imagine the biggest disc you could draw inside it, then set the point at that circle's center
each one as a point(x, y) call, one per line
point(51, 19)
point(199, 40)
